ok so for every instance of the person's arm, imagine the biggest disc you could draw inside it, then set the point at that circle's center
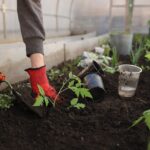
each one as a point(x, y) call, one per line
point(31, 24)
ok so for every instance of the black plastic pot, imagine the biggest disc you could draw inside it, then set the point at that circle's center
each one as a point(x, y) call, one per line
point(94, 67)
point(95, 84)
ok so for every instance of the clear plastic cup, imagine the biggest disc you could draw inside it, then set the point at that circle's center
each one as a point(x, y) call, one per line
point(128, 79)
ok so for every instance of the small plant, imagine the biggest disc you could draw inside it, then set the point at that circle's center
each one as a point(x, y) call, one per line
point(110, 70)
point(75, 103)
point(145, 117)
point(137, 39)
point(110, 64)
point(147, 56)
point(135, 55)
point(115, 58)
point(105, 45)
point(147, 44)
point(76, 86)
point(42, 99)
point(6, 101)
point(107, 49)
point(53, 74)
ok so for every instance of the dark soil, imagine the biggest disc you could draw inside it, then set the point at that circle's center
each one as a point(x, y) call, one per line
point(102, 125)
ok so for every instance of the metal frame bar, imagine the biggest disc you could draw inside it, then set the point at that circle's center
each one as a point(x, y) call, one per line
point(57, 9)
point(121, 6)
point(3, 9)
point(70, 12)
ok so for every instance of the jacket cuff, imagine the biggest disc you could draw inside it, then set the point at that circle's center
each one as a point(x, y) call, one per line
point(34, 45)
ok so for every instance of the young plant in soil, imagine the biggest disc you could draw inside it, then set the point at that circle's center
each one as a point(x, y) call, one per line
point(146, 119)
point(54, 73)
point(147, 44)
point(76, 86)
point(106, 46)
point(147, 56)
point(135, 55)
point(6, 101)
point(111, 65)
point(42, 99)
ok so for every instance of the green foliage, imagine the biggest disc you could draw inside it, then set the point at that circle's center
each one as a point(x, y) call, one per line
point(76, 86)
point(53, 74)
point(135, 55)
point(74, 103)
point(110, 70)
point(147, 44)
point(115, 58)
point(107, 49)
point(6, 101)
point(147, 56)
point(110, 64)
point(104, 43)
point(137, 39)
point(42, 99)
point(145, 117)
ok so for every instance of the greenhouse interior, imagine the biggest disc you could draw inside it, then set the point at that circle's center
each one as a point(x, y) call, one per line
point(74, 75)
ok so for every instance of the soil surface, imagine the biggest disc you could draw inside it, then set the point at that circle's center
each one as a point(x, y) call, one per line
point(102, 125)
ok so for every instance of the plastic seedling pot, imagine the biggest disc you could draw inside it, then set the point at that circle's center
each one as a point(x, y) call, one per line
point(128, 80)
point(95, 84)
point(94, 67)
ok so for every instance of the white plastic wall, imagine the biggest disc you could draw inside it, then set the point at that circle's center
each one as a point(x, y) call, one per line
point(62, 17)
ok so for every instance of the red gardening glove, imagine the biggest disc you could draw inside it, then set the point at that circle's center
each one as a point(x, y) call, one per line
point(38, 77)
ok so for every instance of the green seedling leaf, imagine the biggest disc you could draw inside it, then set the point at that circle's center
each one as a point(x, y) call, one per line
point(46, 101)
point(136, 54)
point(110, 70)
point(80, 106)
point(71, 83)
point(75, 90)
point(137, 121)
point(115, 58)
point(146, 112)
point(78, 85)
point(85, 93)
point(41, 90)
point(74, 101)
point(70, 75)
point(38, 101)
point(147, 56)
point(146, 115)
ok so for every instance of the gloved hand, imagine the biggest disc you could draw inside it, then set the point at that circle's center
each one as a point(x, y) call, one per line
point(38, 77)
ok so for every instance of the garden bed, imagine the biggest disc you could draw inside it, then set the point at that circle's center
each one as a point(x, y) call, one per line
point(103, 124)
